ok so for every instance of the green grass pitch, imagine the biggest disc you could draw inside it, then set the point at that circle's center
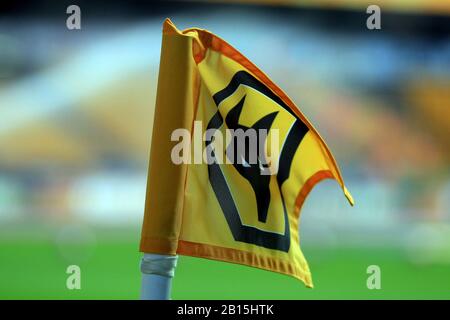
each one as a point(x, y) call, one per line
point(34, 268)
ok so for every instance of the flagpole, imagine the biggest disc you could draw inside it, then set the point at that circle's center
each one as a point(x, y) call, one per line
point(157, 273)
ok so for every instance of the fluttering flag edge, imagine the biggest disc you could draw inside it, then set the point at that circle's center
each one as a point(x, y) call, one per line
point(244, 258)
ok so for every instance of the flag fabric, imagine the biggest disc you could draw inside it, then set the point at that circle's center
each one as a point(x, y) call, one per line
point(228, 211)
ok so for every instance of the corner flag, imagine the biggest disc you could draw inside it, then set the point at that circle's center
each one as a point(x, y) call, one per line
point(228, 206)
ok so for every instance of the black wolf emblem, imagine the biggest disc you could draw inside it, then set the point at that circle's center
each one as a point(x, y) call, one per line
point(251, 171)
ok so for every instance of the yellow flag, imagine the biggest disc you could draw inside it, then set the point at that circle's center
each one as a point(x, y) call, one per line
point(217, 202)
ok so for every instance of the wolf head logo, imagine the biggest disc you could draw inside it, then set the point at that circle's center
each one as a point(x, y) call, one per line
point(252, 171)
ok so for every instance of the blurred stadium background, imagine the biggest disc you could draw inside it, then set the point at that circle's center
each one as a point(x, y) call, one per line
point(76, 113)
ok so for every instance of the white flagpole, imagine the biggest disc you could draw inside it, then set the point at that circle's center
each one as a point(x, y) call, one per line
point(157, 273)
